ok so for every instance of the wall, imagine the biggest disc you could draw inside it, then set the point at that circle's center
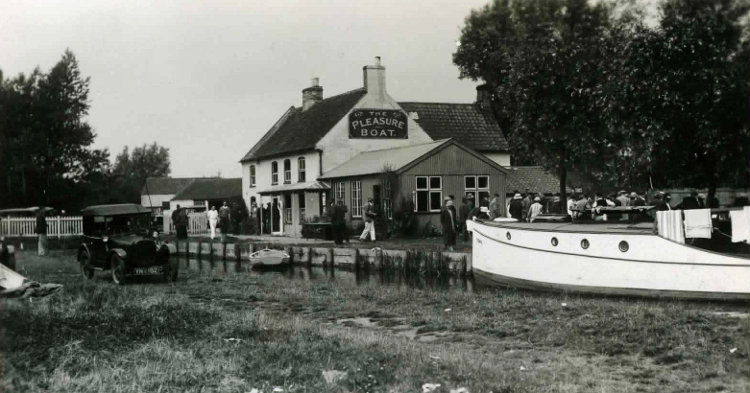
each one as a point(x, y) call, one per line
point(500, 158)
point(156, 199)
point(263, 173)
point(338, 148)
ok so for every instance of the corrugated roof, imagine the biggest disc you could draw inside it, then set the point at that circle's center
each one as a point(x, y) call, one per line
point(468, 124)
point(535, 178)
point(308, 186)
point(165, 185)
point(299, 130)
point(210, 188)
point(372, 162)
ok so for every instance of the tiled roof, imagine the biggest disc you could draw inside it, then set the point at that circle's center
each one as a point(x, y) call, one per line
point(535, 178)
point(300, 130)
point(207, 188)
point(466, 123)
point(165, 185)
point(372, 162)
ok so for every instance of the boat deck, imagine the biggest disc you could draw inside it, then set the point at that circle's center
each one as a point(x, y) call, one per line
point(643, 228)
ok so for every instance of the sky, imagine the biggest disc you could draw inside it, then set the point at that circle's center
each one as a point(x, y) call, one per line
point(208, 78)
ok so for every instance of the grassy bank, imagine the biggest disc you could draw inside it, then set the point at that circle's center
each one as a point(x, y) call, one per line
point(238, 332)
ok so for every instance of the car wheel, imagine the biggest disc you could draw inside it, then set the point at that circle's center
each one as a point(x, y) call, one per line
point(85, 260)
point(171, 269)
point(118, 269)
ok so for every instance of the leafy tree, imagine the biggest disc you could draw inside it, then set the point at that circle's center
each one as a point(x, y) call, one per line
point(685, 98)
point(546, 62)
point(131, 170)
point(46, 157)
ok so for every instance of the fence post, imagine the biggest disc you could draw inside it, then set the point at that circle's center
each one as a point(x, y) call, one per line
point(59, 227)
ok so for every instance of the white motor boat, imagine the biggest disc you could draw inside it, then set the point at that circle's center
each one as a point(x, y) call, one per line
point(610, 258)
point(268, 258)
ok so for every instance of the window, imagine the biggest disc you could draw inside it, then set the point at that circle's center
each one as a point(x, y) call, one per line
point(287, 171)
point(252, 175)
point(287, 208)
point(356, 198)
point(429, 194)
point(339, 192)
point(301, 204)
point(199, 202)
point(274, 173)
point(387, 203)
point(478, 186)
point(301, 169)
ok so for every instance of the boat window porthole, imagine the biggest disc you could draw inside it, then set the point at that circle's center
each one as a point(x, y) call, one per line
point(554, 242)
point(584, 244)
point(624, 247)
point(507, 234)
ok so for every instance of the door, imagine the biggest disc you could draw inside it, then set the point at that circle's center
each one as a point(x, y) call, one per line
point(275, 216)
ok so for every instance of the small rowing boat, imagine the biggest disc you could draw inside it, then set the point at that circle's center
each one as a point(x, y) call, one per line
point(612, 258)
point(268, 258)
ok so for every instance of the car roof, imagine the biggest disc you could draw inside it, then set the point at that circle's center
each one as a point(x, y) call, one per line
point(114, 210)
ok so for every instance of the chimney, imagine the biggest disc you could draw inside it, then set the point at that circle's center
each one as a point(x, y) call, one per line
point(311, 95)
point(374, 78)
point(484, 96)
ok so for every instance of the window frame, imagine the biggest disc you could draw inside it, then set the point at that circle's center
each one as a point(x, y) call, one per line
point(301, 170)
point(476, 190)
point(356, 195)
point(386, 199)
point(430, 191)
point(274, 173)
point(287, 171)
point(252, 176)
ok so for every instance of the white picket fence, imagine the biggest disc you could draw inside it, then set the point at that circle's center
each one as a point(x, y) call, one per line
point(197, 223)
point(59, 226)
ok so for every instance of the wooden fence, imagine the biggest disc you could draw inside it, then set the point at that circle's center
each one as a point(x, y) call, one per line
point(59, 226)
point(197, 223)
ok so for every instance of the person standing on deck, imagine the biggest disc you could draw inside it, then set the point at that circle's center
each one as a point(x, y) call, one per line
point(535, 209)
point(515, 209)
point(41, 231)
point(369, 222)
point(636, 200)
point(224, 220)
point(691, 202)
point(525, 204)
point(448, 222)
point(623, 198)
point(662, 201)
point(213, 219)
point(495, 209)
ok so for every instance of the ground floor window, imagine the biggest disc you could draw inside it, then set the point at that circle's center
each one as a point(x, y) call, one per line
point(428, 194)
point(478, 187)
point(387, 203)
point(356, 198)
point(301, 197)
point(287, 208)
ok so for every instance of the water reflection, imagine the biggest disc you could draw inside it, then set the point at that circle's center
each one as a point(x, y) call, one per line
point(362, 276)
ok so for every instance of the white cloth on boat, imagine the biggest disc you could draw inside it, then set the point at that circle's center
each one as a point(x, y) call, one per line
point(669, 223)
point(740, 225)
point(698, 223)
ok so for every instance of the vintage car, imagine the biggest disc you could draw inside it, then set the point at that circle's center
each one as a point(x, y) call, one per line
point(119, 238)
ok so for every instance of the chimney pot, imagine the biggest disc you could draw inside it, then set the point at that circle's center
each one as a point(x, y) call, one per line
point(315, 81)
point(312, 94)
point(377, 60)
point(374, 79)
point(484, 96)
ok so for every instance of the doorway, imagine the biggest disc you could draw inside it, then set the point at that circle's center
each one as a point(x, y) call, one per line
point(275, 216)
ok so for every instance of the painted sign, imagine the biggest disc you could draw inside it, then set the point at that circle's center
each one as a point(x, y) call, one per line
point(378, 124)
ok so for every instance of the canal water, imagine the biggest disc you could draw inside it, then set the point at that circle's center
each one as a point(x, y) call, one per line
point(361, 276)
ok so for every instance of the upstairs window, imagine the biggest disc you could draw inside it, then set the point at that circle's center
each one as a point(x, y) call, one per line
point(301, 169)
point(252, 175)
point(428, 194)
point(274, 173)
point(287, 171)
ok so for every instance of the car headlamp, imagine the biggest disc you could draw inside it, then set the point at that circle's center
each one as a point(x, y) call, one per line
point(156, 234)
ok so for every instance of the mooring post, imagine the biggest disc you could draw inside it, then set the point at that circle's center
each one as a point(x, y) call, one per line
point(330, 257)
point(223, 251)
point(200, 250)
point(356, 258)
point(309, 256)
point(237, 252)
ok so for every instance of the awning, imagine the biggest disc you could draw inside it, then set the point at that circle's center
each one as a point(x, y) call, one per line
point(307, 186)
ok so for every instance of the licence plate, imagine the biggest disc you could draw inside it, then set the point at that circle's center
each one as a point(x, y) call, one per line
point(147, 270)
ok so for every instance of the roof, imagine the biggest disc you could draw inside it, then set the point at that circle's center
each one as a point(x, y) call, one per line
point(468, 124)
point(208, 188)
point(114, 210)
point(308, 186)
point(24, 210)
point(535, 178)
point(165, 185)
point(397, 159)
point(299, 130)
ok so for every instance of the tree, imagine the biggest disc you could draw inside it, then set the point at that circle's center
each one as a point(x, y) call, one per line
point(546, 63)
point(46, 157)
point(688, 81)
point(131, 170)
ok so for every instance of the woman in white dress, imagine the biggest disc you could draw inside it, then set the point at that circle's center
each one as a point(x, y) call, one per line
point(213, 219)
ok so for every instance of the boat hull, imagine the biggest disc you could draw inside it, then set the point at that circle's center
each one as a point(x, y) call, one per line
point(526, 256)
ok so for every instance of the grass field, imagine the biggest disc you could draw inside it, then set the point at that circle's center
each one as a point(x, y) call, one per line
point(239, 332)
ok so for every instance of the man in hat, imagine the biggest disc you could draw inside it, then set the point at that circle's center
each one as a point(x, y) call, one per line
point(636, 200)
point(369, 221)
point(463, 215)
point(622, 197)
point(495, 210)
point(338, 221)
point(448, 223)
point(515, 209)
point(535, 209)
point(691, 202)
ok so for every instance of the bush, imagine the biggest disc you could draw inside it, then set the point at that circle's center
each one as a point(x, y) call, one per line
point(404, 221)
